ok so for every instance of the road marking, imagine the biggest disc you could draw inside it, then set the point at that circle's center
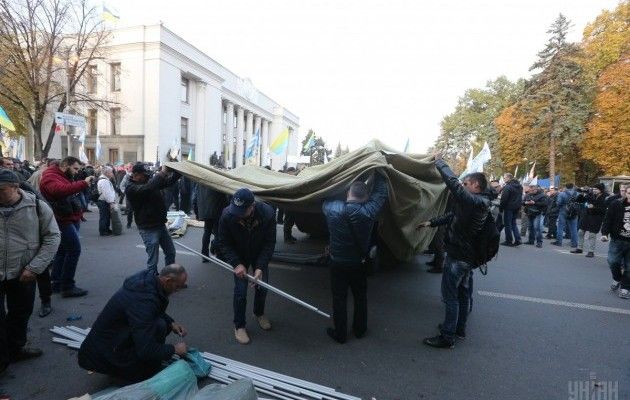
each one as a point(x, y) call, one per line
point(272, 265)
point(572, 254)
point(556, 302)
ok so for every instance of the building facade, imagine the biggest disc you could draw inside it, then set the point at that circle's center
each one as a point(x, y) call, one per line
point(167, 98)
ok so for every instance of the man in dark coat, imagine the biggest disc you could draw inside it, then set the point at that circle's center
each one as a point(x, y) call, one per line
point(128, 338)
point(350, 223)
point(471, 206)
point(149, 210)
point(592, 218)
point(552, 213)
point(210, 204)
point(246, 239)
point(617, 225)
point(535, 207)
point(511, 200)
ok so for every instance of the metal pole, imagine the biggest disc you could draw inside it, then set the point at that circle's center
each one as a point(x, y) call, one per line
point(277, 291)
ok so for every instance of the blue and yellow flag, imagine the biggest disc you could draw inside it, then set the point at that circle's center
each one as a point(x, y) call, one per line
point(280, 143)
point(5, 122)
point(109, 14)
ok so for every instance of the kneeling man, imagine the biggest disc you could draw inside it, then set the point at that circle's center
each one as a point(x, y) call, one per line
point(127, 339)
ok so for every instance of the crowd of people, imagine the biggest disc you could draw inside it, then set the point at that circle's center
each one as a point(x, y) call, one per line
point(42, 211)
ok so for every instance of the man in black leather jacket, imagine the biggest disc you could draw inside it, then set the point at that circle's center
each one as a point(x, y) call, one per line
point(471, 205)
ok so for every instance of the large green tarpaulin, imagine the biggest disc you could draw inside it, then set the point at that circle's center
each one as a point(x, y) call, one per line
point(416, 191)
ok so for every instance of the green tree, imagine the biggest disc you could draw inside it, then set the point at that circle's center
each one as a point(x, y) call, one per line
point(559, 97)
point(473, 121)
point(317, 150)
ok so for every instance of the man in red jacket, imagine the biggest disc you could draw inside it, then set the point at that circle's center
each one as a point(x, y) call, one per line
point(62, 192)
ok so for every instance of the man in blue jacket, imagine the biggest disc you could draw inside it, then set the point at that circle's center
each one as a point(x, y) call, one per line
point(565, 219)
point(127, 339)
point(350, 224)
point(246, 239)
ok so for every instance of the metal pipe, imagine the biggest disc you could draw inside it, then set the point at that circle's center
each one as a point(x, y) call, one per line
point(295, 381)
point(267, 286)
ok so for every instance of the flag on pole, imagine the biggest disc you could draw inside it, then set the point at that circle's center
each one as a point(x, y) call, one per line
point(82, 155)
point(516, 172)
point(5, 121)
point(406, 146)
point(109, 14)
point(191, 157)
point(309, 143)
point(470, 160)
point(534, 181)
point(280, 143)
point(99, 150)
point(480, 159)
point(532, 171)
point(253, 146)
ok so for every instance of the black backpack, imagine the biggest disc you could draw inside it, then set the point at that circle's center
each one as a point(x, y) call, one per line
point(573, 207)
point(487, 244)
point(93, 193)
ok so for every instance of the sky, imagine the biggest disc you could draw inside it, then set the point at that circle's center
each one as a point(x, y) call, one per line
point(354, 70)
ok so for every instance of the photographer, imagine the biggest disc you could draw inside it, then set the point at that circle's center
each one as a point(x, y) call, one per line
point(535, 207)
point(591, 221)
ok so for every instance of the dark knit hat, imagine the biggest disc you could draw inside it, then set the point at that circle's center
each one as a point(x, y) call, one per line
point(600, 186)
point(8, 176)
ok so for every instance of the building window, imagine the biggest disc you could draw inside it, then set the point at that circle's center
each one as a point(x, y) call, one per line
point(185, 87)
point(184, 126)
point(115, 77)
point(90, 153)
point(91, 78)
point(113, 156)
point(114, 114)
point(92, 118)
point(130, 156)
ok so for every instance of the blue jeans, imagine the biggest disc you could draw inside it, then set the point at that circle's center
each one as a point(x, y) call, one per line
point(67, 257)
point(571, 224)
point(536, 228)
point(456, 295)
point(240, 299)
point(509, 221)
point(618, 259)
point(83, 200)
point(104, 217)
point(154, 239)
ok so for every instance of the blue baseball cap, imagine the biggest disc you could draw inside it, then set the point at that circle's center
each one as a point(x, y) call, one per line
point(242, 199)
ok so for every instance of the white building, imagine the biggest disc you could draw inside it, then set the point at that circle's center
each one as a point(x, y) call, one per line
point(169, 96)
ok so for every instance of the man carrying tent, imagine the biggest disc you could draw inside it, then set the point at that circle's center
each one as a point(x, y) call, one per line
point(350, 224)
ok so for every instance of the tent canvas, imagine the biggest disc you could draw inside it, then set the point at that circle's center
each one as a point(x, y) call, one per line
point(416, 190)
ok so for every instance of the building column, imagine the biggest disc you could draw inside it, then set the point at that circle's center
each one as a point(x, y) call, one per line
point(257, 122)
point(200, 152)
point(264, 147)
point(228, 152)
point(240, 129)
point(249, 131)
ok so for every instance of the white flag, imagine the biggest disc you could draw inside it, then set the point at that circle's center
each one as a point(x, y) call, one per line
point(481, 158)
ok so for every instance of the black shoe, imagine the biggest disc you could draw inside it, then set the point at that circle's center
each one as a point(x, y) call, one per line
point(74, 292)
point(539, 245)
point(590, 254)
point(333, 334)
point(25, 353)
point(461, 334)
point(576, 251)
point(435, 270)
point(506, 243)
point(45, 309)
point(517, 244)
point(439, 342)
point(556, 243)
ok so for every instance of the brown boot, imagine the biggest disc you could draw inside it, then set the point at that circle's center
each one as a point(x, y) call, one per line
point(263, 322)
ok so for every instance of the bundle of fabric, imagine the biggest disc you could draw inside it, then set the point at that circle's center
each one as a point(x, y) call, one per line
point(416, 190)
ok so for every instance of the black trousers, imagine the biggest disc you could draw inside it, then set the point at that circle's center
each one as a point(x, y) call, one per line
point(44, 285)
point(353, 277)
point(438, 246)
point(209, 228)
point(14, 319)
point(552, 228)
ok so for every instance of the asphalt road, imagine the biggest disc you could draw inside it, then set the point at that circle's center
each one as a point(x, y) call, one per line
point(565, 327)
